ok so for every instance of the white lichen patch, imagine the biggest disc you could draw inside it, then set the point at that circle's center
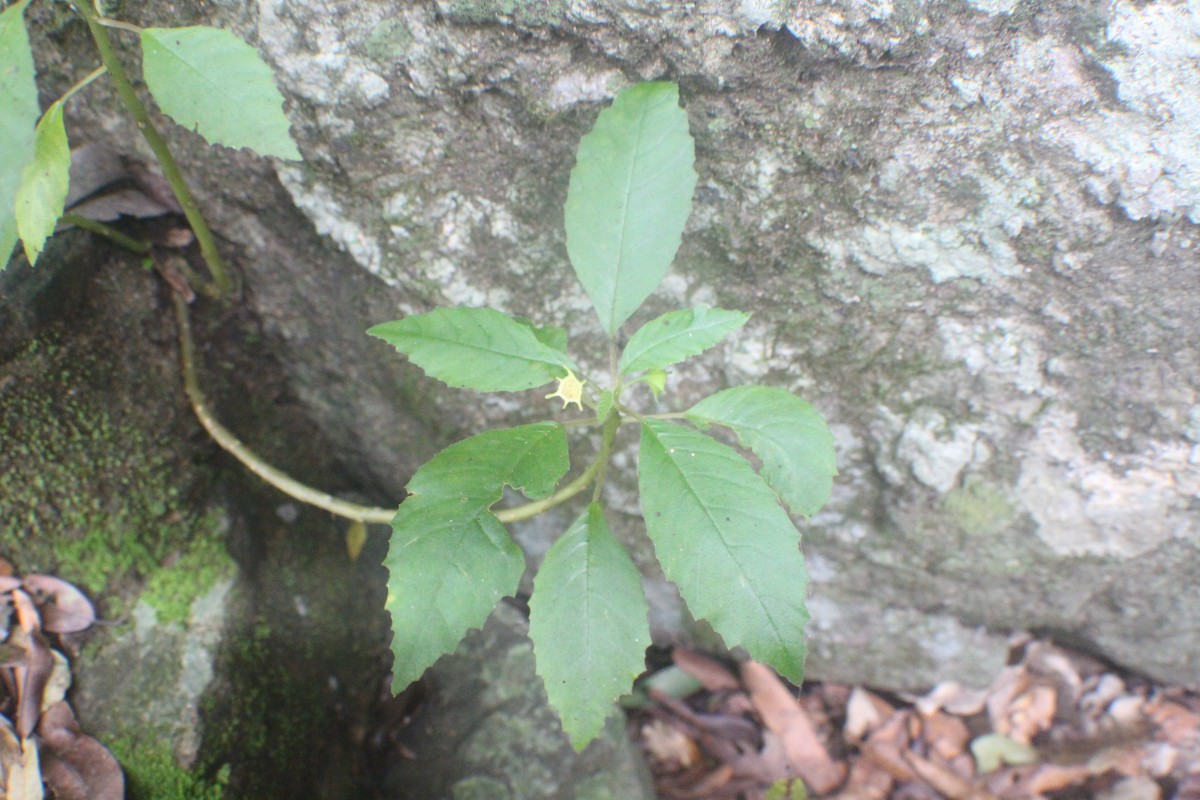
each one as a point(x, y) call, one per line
point(1003, 352)
point(583, 87)
point(329, 219)
point(1114, 505)
point(320, 61)
point(1145, 156)
point(935, 451)
point(946, 251)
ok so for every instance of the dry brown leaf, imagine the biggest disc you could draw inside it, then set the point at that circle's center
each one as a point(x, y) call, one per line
point(668, 745)
point(27, 614)
point(27, 681)
point(1046, 778)
point(1101, 691)
point(63, 607)
point(865, 712)
point(944, 781)
point(783, 715)
point(767, 765)
point(1134, 788)
point(22, 776)
point(58, 682)
point(712, 674)
point(1031, 713)
point(75, 765)
point(946, 735)
point(867, 781)
point(890, 757)
point(6, 568)
point(1176, 724)
point(953, 698)
point(1124, 759)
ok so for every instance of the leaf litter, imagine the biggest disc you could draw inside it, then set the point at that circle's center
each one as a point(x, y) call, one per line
point(1054, 725)
point(43, 750)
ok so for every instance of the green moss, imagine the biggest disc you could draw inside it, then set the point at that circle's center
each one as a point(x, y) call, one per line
point(151, 772)
point(171, 591)
point(90, 493)
point(979, 508)
point(389, 41)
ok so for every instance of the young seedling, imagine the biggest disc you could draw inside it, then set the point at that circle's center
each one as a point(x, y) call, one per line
point(718, 527)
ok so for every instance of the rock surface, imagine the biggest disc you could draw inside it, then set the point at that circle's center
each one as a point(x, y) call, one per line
point(967, 232)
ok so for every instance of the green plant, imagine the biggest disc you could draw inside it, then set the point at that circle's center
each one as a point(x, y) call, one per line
point(717, 525)
point(204, 78)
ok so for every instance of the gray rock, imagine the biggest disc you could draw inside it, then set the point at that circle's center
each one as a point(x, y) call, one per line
point(967, 232)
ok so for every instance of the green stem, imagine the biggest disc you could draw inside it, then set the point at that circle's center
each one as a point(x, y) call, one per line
point(530, 510)
point(232, 445)
point(306, 494)
point(128, 242)
point(91, 76)
point(191, 209)
point(118, 24)
point(606, 444)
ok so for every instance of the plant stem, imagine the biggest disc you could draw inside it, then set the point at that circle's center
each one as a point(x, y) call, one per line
point(91, 76)
point(128, 242)
point(306, 494)
point(606, 444)
point(232, 445)
point(191, 209)
point(116, 23)
point(564, 494)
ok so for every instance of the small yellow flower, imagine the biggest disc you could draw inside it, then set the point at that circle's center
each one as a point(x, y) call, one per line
point(570, 390)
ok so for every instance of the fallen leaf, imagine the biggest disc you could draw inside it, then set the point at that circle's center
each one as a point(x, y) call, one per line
point(58, 683)
point(783, 715)
point(867, 781)
point(668, 745)
point(946, 735)
point(1135, 788)
point(63, 607)
point(712, 674)
point(31, 682)
point(865, 712)
point(944, 781)
point(953, 698)
point(22, 776)
point(356, 537)
point(75, 765)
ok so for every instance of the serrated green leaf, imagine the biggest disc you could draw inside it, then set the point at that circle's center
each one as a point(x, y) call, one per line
point(588, 623)
point(18, 117)
point(44, 182)
point(476, 348)
point(212, 82)
point(791, 438)
point(723, 539)
point(450, 559)
point(677, 335)
point(629, 198)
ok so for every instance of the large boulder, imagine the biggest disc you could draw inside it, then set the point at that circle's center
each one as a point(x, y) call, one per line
point(966, 230)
